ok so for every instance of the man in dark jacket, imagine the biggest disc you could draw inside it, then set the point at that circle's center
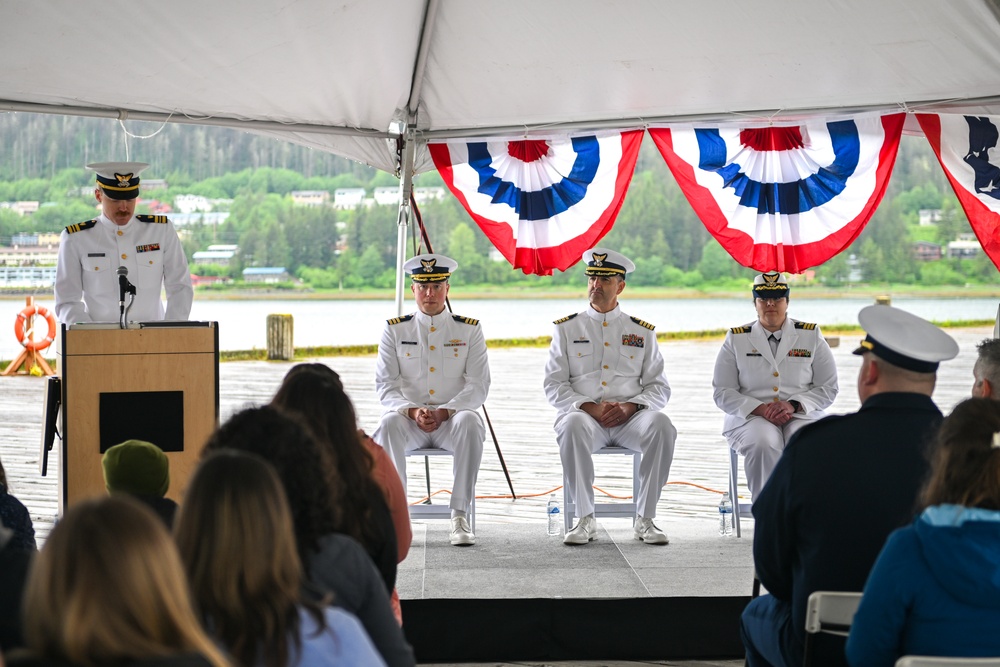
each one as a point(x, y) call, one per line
point(842, 485)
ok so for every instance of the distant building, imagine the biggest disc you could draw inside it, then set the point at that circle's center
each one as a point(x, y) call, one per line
point(925, 251)
point(216, 254)
point(422, 195)
point(964, 249)
point(386, 196)
point(154, 184)
point(21, 207)
point(266, 274)
point(929, 216)
point(192, 203)
point(30, 255)
point(311, 197)
point(28, 276)
point(211, 218)
point(344, 198)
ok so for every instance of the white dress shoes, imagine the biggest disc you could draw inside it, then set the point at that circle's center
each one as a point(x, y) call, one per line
point(584, 532)
point(646, 531)
point(461, 533)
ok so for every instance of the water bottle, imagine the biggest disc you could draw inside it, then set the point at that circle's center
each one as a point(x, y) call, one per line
point(555, 518)
point(725, 515)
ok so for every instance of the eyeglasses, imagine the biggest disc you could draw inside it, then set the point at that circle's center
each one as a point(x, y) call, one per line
point(770, 300)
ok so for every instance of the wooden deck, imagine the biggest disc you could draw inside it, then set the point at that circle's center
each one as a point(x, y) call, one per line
point(521, 418)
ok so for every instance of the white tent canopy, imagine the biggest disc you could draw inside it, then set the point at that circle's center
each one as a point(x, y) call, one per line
point(335, 75)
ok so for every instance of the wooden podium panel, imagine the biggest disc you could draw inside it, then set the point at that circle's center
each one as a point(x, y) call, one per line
point(142, 383)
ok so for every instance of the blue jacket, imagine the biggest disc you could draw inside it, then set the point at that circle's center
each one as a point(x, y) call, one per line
point(934, 590)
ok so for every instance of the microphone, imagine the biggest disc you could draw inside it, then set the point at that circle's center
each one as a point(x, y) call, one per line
point(123, 285)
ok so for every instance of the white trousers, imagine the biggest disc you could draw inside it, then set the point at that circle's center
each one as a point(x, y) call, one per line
point(761, 443)
point(463, 435)
point(579, 435)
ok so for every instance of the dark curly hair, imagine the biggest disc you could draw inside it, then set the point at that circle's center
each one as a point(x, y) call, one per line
point(304, 467)
point(965, 464)
point(316, 393)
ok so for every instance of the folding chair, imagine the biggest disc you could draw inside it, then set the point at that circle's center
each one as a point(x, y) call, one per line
point(830, 612)
point(614, 510)
point(933, 661)
point(431, 511)
point(738, 507)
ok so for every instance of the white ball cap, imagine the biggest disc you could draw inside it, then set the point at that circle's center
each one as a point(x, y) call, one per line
point(430, 268)
point(605, 262)
point(904, 340)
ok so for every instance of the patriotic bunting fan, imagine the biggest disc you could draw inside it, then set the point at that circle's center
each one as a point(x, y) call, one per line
point(784, 198)
point(541, 202)
point(963, 145)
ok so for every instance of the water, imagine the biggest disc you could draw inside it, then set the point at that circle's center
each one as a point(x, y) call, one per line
point(725, 515)
point(242, 323)
point(555, 518)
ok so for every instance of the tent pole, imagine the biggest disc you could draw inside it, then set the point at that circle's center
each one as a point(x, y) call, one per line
point(403, 219)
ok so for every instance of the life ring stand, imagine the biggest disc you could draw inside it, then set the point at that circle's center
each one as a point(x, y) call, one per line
point(24, 323)
point(30, 358)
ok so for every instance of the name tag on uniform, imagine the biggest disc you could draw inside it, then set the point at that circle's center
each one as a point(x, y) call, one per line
point(754, 353)
point(408, 342)
point(799, 352)
point(581, 340)
point(95, 254)
point(149, 247)
point(633, 340)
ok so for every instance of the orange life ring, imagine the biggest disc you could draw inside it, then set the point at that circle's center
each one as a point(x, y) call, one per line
point(24, 322)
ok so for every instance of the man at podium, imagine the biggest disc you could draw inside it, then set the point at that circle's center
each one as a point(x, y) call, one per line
point(98, 256)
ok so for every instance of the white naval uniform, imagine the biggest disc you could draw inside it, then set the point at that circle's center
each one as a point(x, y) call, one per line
point(434, 362)
point(747, 374)
point(597, 357)
point(89, 256)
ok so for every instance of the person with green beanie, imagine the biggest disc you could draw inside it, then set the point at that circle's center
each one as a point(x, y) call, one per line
point(141, 470)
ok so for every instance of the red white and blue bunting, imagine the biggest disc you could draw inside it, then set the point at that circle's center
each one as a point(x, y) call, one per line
point(542, 203)
point(962, 145)
point(784, 198)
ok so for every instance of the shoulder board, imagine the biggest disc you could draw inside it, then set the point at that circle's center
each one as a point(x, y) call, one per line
point(158, 219)
point(565, 319)
point(73, 229)
point(466, 320)
point(397, 320)
point(804, 325)
point(740, 330)
point(642, 323)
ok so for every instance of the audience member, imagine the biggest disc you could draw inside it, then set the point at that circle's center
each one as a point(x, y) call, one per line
point(14, 515)
point(141, 470)
point(334, 563)
point(236, 541)
point(369, 495)
point(986, 371)
point(842, 485)
point(14, 564)
point(935, 588)
point(108, 588)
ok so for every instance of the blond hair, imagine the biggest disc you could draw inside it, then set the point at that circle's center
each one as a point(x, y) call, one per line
point(108, 586)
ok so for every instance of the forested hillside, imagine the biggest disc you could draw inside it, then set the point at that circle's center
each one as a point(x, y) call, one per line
point(44, 157)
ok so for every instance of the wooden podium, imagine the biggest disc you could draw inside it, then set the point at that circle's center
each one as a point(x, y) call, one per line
point(158, 383)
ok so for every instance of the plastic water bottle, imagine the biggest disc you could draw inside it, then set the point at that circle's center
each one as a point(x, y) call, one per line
point(555, 518)
point(725, 515)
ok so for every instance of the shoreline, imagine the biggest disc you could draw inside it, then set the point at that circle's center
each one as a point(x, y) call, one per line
point(575, 292)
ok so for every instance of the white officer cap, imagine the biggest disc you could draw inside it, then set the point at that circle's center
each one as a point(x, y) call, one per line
point(118, 180)
point(904, 340)
point(430, 268)
point(604, 262)
point(770, 285)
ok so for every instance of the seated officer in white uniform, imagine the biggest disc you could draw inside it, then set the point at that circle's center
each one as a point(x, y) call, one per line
point(772, 377)
point(432, 376)
point(90, 254)
point(605, 378)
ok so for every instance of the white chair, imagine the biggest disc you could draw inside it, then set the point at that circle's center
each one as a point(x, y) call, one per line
point(429, 510)
point(738, 507)
point(831, 612)
point(613, 510)
point(933, 661)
